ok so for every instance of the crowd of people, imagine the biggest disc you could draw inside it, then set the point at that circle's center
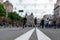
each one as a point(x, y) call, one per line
point(43, 23)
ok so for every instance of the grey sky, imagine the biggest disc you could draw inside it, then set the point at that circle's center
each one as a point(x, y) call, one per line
point(38, 7)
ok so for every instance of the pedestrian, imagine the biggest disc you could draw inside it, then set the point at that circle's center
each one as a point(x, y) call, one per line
point(42, 23)
point(54, 23)
point(35, 21)
point(46, 23)
point(24, 21)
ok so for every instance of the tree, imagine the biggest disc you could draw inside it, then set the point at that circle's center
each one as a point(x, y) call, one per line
point(2, 10)
point(14, 16)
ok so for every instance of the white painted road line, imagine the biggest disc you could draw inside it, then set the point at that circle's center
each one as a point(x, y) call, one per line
point(41, 35)
point(26, 36)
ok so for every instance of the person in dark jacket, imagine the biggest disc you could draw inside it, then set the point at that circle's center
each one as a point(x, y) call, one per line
point(54, 23)
point(24, 21)
point(42, 23)
point(35, 21)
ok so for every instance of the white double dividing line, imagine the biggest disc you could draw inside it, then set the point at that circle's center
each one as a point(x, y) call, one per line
point(27, 35)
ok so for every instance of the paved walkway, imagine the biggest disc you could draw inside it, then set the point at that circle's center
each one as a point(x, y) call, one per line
point(33, 34)
point(12, 33)
point(29, 33)
point(54, 34)
point(26, 36)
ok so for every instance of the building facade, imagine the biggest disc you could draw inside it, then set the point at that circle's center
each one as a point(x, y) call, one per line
point(30, 19)
point(8, 6)
point(48, 16)
point(1, 1)
point(57, 11)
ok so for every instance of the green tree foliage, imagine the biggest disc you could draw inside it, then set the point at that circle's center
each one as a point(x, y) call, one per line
point(14, 16)
point(2, 10)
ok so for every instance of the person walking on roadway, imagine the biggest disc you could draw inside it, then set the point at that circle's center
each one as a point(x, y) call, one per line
point(24, 21)
point(42, 23)
point(35, 21)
